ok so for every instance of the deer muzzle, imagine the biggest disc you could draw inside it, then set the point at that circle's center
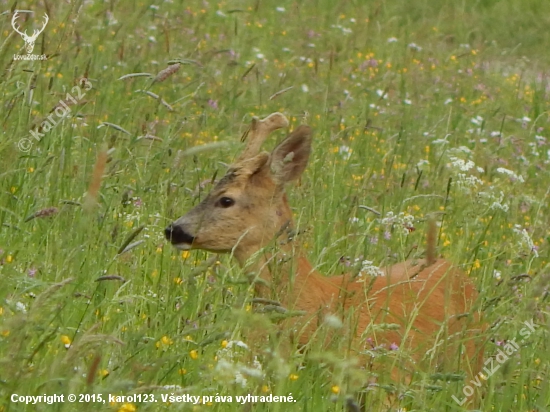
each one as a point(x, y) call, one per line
point(179, 237)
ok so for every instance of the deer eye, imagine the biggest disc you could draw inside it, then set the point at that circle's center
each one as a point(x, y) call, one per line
point(226, 202)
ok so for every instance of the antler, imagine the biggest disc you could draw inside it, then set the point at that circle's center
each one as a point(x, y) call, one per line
point(24, 34)
point(15, 25)
point(258, 132)
point(36, 31)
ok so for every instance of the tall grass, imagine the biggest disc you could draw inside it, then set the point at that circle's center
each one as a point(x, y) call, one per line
point(402, 95)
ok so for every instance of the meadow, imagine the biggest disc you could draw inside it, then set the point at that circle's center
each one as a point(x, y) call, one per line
point(419, 108)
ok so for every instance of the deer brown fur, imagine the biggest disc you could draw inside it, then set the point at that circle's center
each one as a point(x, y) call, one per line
point(247, 214)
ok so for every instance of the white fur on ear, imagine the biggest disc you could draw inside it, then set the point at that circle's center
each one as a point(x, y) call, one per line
point(289, 159)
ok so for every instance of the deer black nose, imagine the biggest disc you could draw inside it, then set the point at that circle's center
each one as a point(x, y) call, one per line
point(175, 234)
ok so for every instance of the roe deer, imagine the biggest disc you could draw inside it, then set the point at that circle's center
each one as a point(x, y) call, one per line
point(247, 214)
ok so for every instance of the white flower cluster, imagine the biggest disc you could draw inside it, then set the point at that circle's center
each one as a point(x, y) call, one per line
point(404, 221)
point(525, 240)
point(345, 30)
point(465, 182)
point(513, 176)
point(462, 165)
point(236, 371)
point(495, 202)
point(345, 151)
point(370, 270)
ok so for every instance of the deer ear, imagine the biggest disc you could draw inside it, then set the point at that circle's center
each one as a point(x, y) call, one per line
point(250, 166)
point(290, 157)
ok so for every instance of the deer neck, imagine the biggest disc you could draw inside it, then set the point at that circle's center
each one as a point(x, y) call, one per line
point(277, 266)
point(281, 272)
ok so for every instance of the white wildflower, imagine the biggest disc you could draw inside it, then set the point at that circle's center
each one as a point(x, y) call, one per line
point(463, 149)
point(467, 182)
point(21, 307)
point(462, 165)
point(172, 387)
point(525, 240)
point(422, 163)
point(513, 176)
point(389, 219)
point(404, 221)
point(230, 367)
point(240, 379)
point(381, 93)
point(305, 88)
point(345, 151)
point(478, 120)
point(414, 46)
point(369, 269)
point(497, 203)
point(333, 321)
point(237, 343)
point(392, 40)
point(257, 364)
point(344, 30)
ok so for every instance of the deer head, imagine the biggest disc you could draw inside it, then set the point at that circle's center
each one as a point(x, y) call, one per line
point(248, 207)
point(29, 40)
